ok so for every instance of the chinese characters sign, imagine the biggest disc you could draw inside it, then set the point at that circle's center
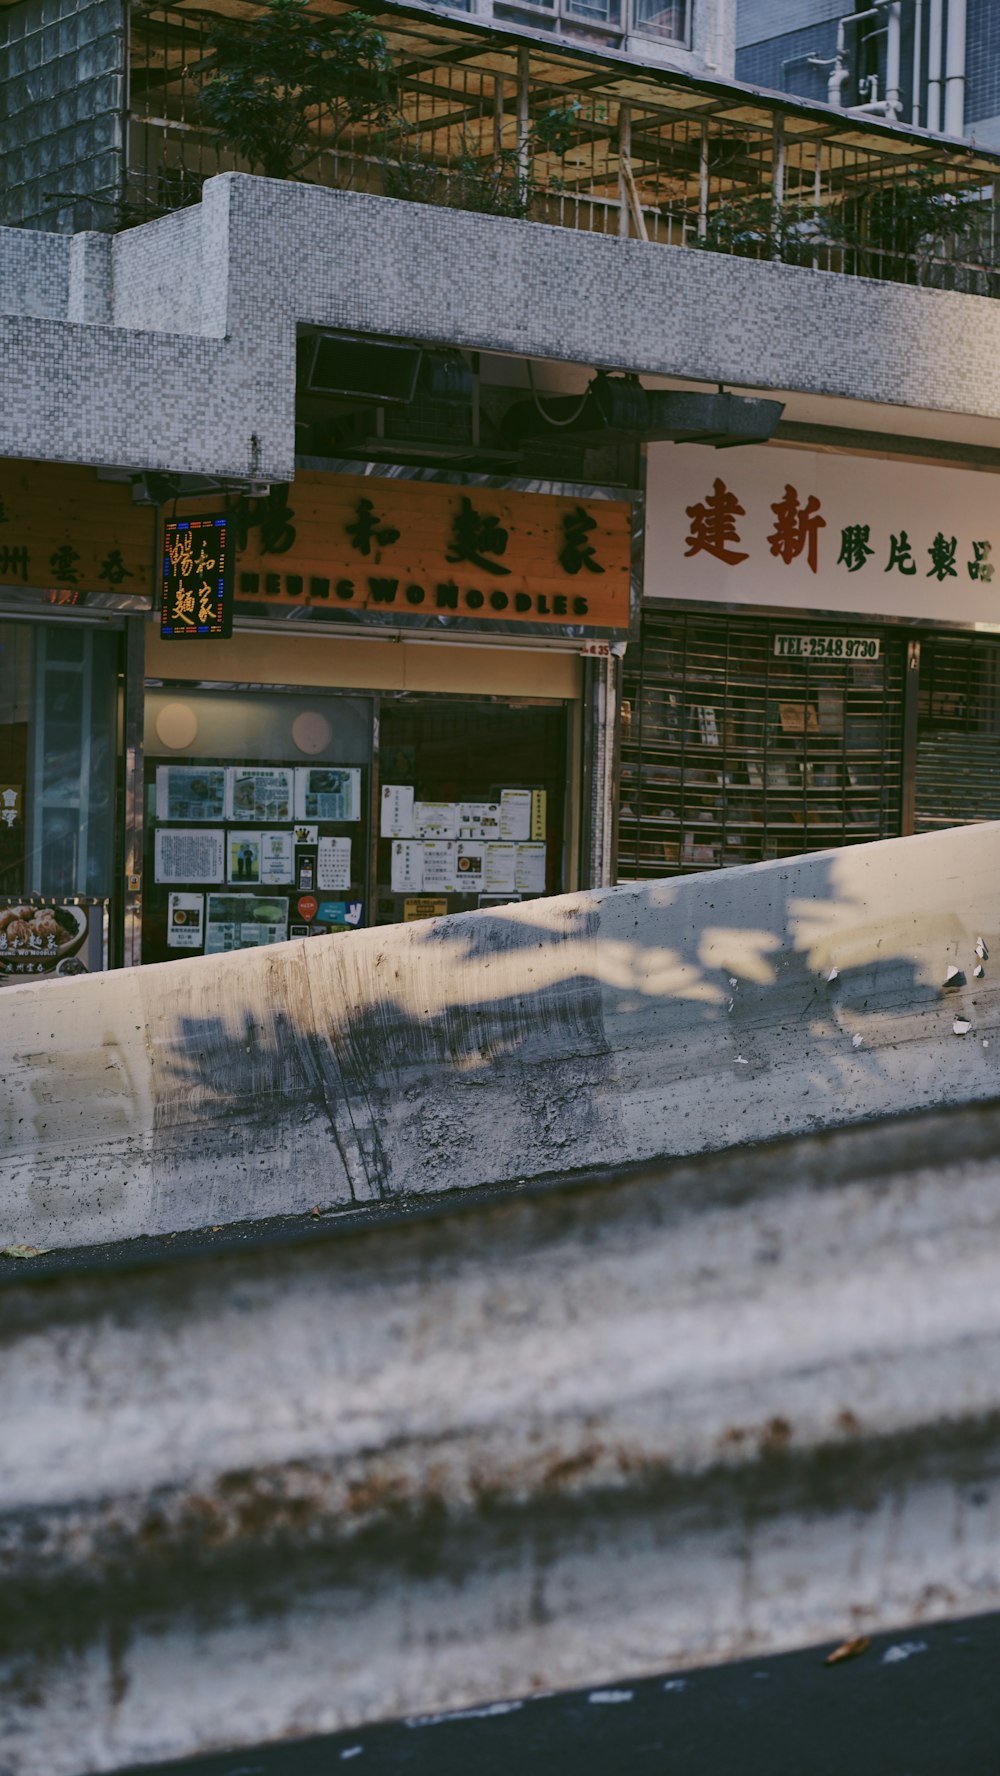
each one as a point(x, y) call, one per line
point(67, 534)
point(772, 526)
point(416, 548)
point(196, 583)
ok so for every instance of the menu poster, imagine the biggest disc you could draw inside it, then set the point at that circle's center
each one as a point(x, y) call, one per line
point(258, 793)
point(479, 820)
point(243, 857)
point(515, 814)
point(501, 869)
point(529, 869)
point(275, 858)
point(407, 866)
point(244, 921)
point(439, 866)
point(333, 864)
point(469, 865)
point(435, 820)
point(181, 855)
point(185, 921)
point(397, 811)
point(183, 793)
point(327, 792)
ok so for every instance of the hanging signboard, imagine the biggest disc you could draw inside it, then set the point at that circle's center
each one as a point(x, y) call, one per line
point(73, 538)
point(197, 582)
point(411, 549)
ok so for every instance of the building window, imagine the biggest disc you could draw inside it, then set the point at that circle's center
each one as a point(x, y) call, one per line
point(665, 20)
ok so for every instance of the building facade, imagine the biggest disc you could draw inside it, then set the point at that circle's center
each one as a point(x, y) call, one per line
point(501, 620)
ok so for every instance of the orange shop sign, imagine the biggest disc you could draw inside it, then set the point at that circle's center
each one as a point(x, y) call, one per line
point(63, 530)
point(419, 548)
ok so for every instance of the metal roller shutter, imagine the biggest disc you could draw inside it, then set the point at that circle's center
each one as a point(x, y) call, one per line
point(958, 732)
point(732, 753)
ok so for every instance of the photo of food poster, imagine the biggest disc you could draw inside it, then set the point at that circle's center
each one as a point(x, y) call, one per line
point(435, 820)
point(185, 921)
point(327, 792)
point(396, 820)
point(275, 858)
point(180, 855)
point(469, 864)
point(50, 940)
point(501, 869)
point(529, 869)
point(184, 792)
point(407, 866)
point(256, 792)
point(439, 867)
point(515, 814)
point(244, 921)
point(243, 857)
point(333, 864)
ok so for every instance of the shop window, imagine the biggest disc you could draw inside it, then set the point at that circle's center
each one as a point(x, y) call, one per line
point(256, 817)
point(472, 805)
point(958, 732)
point(748, 738)
point(58, 707)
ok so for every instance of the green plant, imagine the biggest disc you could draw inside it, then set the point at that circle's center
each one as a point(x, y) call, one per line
point(274, 76)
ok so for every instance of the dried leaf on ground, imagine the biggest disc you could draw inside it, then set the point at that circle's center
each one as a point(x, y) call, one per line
point(24, 1251)
point(848, 1649)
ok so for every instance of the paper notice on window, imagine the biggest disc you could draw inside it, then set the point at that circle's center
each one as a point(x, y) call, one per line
point(185, 856)
point(333, 864)
point(244, 922)
point(478, 820)
point(470, 862)
point(276, 859)
point(185, 921)
point(397, 811)
point(529, 870)
point(435, 820)
point(243, 857)
point(183, 793)
point(538, 813)
point(439, 866)
point(259, 793)
point(407, 866)
point(501, 869)
point(515, 814)
point(327, 792)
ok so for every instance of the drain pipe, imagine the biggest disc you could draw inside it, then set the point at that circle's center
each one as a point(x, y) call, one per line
point(954, 78)
point(918, 31)
point(839, 73)
point(935, 35)
point(893, 60)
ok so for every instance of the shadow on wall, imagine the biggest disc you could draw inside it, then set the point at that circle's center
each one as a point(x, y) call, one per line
point(587, 1031)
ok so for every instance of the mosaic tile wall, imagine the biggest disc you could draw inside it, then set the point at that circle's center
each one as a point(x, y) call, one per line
point(262, 256)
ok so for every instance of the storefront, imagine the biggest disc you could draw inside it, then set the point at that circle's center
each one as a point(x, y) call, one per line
point(402, 723)
point(818, 661)
point(76, 556)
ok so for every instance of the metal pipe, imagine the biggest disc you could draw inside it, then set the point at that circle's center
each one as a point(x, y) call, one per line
point(954, 74)
point(918, 51)
point(935, 38)
point(893, 88)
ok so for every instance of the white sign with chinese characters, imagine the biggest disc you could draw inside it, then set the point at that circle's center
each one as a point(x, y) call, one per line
point(811, 530)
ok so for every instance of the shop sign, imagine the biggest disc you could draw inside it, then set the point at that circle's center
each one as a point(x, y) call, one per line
point(197, 582)
point(801, 529)
point(66, 532)
point(827, 647)
point(416, 548)
point(49, 939)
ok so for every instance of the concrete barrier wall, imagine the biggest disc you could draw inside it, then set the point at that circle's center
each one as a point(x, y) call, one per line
point(727, 1406)
point(604, 1028)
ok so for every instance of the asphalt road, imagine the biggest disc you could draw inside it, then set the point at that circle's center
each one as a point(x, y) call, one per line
point(923, 1702)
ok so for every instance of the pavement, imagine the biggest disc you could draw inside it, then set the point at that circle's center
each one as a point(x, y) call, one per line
point(921, 1702)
